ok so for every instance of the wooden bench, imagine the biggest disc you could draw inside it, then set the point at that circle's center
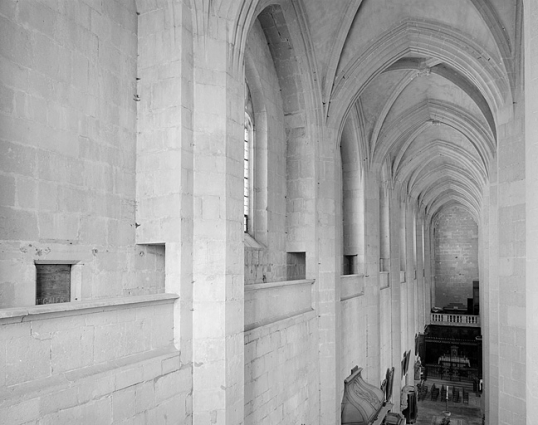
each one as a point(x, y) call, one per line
point(455, 395)
point(434, 392)
point(465, 396)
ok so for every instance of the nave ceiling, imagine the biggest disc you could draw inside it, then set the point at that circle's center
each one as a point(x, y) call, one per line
point(425, 84)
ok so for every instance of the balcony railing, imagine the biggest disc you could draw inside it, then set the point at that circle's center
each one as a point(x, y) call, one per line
point(455, 319)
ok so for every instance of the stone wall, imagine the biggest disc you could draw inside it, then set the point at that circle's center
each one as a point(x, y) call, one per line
point(67, 143)
point(93, 362)
point(281, 372)
point(67, 172)
point(456, 256)
point(385, 328)
point(353, 350)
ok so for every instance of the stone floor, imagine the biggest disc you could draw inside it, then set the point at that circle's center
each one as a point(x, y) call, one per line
point(431, 412)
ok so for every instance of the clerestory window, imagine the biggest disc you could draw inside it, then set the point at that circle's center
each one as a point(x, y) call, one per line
point(247, 180)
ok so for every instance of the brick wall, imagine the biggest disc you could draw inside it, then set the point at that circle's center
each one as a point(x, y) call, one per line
point(456, 256)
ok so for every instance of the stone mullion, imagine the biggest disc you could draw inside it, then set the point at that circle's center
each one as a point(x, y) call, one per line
point(218, 318)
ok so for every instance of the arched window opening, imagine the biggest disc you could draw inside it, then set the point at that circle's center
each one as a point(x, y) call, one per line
point(247, 146)
point(403, 237)
point(384, 229)
point(353, 200)
point(414, 238)
point(423, 241)
point(248, 149)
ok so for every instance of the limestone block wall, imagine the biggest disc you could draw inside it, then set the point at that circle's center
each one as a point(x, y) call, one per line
point(67, 144)
point(281, 372)
point(164, 123)
point(456, 256)
point(93, 362)
point(265, 260)
point(353, 329)
point(271, 302)
point(385, 318)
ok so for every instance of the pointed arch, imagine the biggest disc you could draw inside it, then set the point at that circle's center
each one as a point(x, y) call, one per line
point(406, 127)
point(431, 39)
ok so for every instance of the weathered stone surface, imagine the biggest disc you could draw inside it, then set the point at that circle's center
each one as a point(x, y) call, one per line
point(122, 153)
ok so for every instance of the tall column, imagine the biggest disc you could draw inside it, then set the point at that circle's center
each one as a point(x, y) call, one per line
point(491, 312)
point(411, 287)
point(218, 293)
point(378, 233)
point(375, 369)
point(403, 282)
point(421, 301)
point(506, 288)
point(396, 298)
point(486, 250)
point(328, 292)
point(165, 159)
point(429, 290)
point(531, 145)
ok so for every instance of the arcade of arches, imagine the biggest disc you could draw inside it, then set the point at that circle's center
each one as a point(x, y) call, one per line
point(221, 207)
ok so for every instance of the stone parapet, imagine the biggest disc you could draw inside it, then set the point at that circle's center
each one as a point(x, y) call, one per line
point(267, 303)
point(120, 363)
point(351, 286)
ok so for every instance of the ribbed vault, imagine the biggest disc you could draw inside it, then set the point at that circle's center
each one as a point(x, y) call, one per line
point(431, 93)
point(425, 84)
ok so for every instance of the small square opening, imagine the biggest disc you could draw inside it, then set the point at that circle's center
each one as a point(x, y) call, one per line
point(53, 283)
point(350, 265)
point(296, 267)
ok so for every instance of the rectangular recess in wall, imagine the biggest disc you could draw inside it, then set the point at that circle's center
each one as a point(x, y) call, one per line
point(350, 265)
point(53, 283)
point(296, 265)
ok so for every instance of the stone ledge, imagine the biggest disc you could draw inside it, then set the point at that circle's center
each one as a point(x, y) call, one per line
point(258, 286)
point(68, 380)
point(352, 286)
point(266, 303)
point(350, 297)
point(48, 311)
point(252, 243)
point(278, 325)
point(384, 280)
